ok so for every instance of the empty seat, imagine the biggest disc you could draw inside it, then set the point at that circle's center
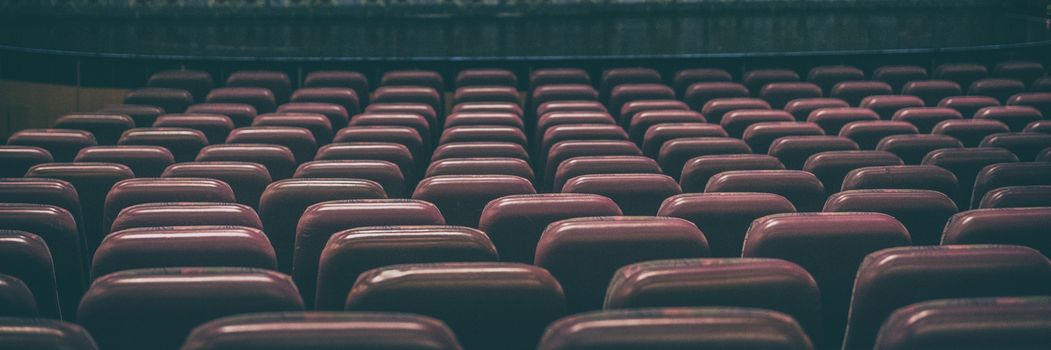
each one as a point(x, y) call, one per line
point(584, 253)
point(759, 136)
point(1042, 126)
point(833, 119)
point(635, 194)
point(805, 239)
point(625, 93)
point(165, 214)
point(486, 94)
point(932, 91)
point(961, 73)
point(479, 149)
point(801, 188)
point(462, 197)
point(299, 140)
point(868, 134)
point(675, 153)
point(589, 165)
point(724, 217)
point(130, 192)
point(854, 92)
point(793, 151)
point(215, 127)
point(489, 107)
point(687, 77)
point(998, 88)
point(18, 159)
point(1025, 145)
point(755, 80)
point(922, 212)
point(1039, 100)
point(38, 333)
point(657, 135)
point(970, 131)
point(912, 148)
point(340, 78)
point(1015, 117)
point(248, 180)
point(409, 94)
point(968, 323)
point(58, 229)
point(894, 278)
point(385, 173)
point(261, 99)
point(426, 78)
point(565, 150)
point(699, 94)
point(677, 328)
point(277, 82)
point(898, 76)
point(483, 133)
point(1041, 85)
point(832, 167)
point(54, 192)
point(345, 97)
point(1017, 197)
point(553, 119)
point(801, 108)
point(170, 100)
point(307, 330)
point(926, 118)
point(888, 105)
point(283, 203)
point(633, 108)
point(278, 160)
point(163, 305)
point(183, 143)
point(478, 118)
point(995, 176)
point(477, 300)
point(968, 105)
point(25, 257)
point(196, 82)
point(317, 124)
point(515, 223)
point(735, 122)
point(183, 246)
point(715, 109)
point(415, 121)
point(141, 114)
point(570, 106)
point(828, 76)
point(106, 127)
point(240, 114)
point(641, 122)
point(350, 253)
point(384, 151)
point(697, 171)
point(911, 177)
point(548, 76)
point(1019, 226)
point(576, 132)
point(966, 163)
point(779, 94)
point(337, 115)
point(480, 166)
point(613, 77)
point(427, 111)
point(62, 144)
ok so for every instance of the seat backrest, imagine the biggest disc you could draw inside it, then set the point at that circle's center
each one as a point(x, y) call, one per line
point(793, 151)
point(724, 217)
point(25, 256)
point(240, 114)
point(299, 140)
point(969, 323)
point(635, 194)
point(19, 159)
point(697, 171)
point(39, 333)
point(58, 230)
point(106, 127)
point(168, 99)
point(183, 246)
point(214, 126)
point(925, 118)
point(262, 99)
point(1017, 197)
point(911, 148)
point(1026, 145)
point(385, 173)
point(183, 143)
point(247, 180)
point(461, 198)
point(277, 82)
point(278, 160)
point(337, 116)
point(802, 188)
point(346, 97)
point(130, 192)
point(1020, 226)
point(922, 212)
point(167, 214)
point(515, 223)
point(970, 131)
point(898, 76)
point(832, 167)
point(142, 114)
point(966, 163)
point(62, 144)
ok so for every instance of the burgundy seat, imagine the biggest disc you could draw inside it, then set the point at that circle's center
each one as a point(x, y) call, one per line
point(164, 305)
point(462, 197)
point(409, 94)
point(426, 78)
point(735, 122)
point(912, 148)
point(894, 278)
point(25, 257)
point(922, 212)
point(1041, 85)
point(802, 188)
point(995, 176)
point(633, 108)
point(317, 124)
point(969, 323)
point(715, 109)
point(183, 246)
point(215, 127)
point(833, 119)
point(570, 106)
point(312, 330)
point(687, 77)
point(801, 108)
point(907, 177)
point(759, 136)
point(18, 159)
point(898, 76)
point(170, 100)
point(186, 214)
point(106, 127)
point(299, 140)
point(283, 203)
point(590, 165)
point(240, 114)
point(38, 333)
point(805, 239)
point(697, 171)
point(584, 253)
point(1015, 117)
point(276, 82)
point(677, 328)
point(961, 73)
point(832, 167)
point(642, 121)
point(350, 253)
point(337, 115)
point(345, 97)
point(489, 107)
point(624, 93)
point(248, 180)
point(550, 76)
point(1017, 197)
point(1039, 100)
point(578, 132)
point(1020, 226)
point(724, 217)
point(384, 151)
point(828, 76)
point(613, 77)
point(854, 92)
point(698, 95)
point(476, 300)
point(932, 91)
point(144, 161)
point(868, 134)
point(1025, 145)
point(262, 99)
point(888, 105)
point(141, 114)
point(1026, 71)
point(427, 111)
point(565, 150)
point(486, 94)
point(278, 160)
point(635, 194)
point(970, 131)
point(62, 144)
point(770, 284)
point(479, 149)
point(793, 151)
point(675, 153)
point(553, 119)
point(58, 229)
point(486, 77)
point(480, 166)
point(755, 80)
point(779, 94)
point(656, 136)
point(968, 105)
point(385, 173)
point(55, 192)
point(196, 82)
point(183, 143)
point(1041, 126)
point(478, 118)
point(999, 88)
point(127, 193)
point(340, 78)
point(483, 133)
point(515, 223)
point(926, 118)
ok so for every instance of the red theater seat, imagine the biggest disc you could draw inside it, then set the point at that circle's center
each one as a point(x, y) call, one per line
point(167, 214)
point(196, 82)
point(656, 136)
point(550, 76)
point(828, 76)
point(479, 149)
point(779, 94)
point(481, 118)
point(832, 167)
point(486, 94)
point(1019, 226)
point(278, 160)
point(427, 111)
point(578, 132)
point(54, 192)
point(58, 229)
point(552, 119)
point(868, 134)
point(183, 143)
point(169, 100)
point(724, 217)
point(635, 194)
point(240, 114)
point(141, 114)
point(675, 153)
point(15, 298)
point(409, 94)
point(697, 171)
point(687, 77)
point(968, 105)
point(961, 73)
point(641, 122)
point(489, 107)
point(62, 144)
point(998, 88)
point(590, 165)
point(1025, 145)
point(515, 223)
point(106, 128)
point(299, 140)
point(801, 108)
point(215, 127)
point(613, 77)
point(625, 93)
point(384, 151)
point(714, 110)
point(127, 193)
point(277, 82)
point(926, 118)
point(970, 131)
point(969, 323)
point(486, 77)
point(318, 124)
point(570, 106)
point(793, 151)
point(735, 122)
point(898, 76)
point(699, 94)
point(802, 188)
point(462, 197)
point(19, 159)
point(932, 91)
point(25, 256)
point(38, 333)
point(922, 212)
point(755, 80)
point(1041, 126)
point(995, 176)
point(183, 246)
point(480, 166)
point(833, 119)
point(1026, 71)
point(912, 148)
point(1039, 100)
point(484, 133)
point(759, 136)
point(1015, 117)
point(629, 110)
point(854, 92)
point(339, 78)
point(385, 173)
point(261, 99)
point(337, 115)
point(888, 105)
point(966, 163)
point(248, 180)
point(909, 177)
point(426, 78)
point(1017, 197)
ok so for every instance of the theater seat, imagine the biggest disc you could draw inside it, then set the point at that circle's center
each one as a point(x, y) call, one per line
point(19, 159)
point(383, 151)
point(1026, 71)
point(966, 163)
point(724, 217)
point(1017, 197)
point(999, 88)
point(489, 107)
point(854, 92)
point(262, 99)
point(1019, 226)
point(894, 278)
point(183, 246)
point(613, 77)
point(275, 81)
point(248, 180)
point(578, 132)
point(635, 194)
point(656, 136)
point(1025, 145)
point(755, 80)
point(570, 106)
point(968, 105)
point(197, 82)
point(624, 93)
point(802, 188)
point(408, 94)
point(779, 94)
point(832, 167)
point(908, 177)
point(479, 149)
point(828, 76)
point(995, 176)
point(170, 100)
point(339, 78)
point(1041, 126)
point(337, 115)
point(715, 109)
point(486, 77)
point(215, 127)
point(427, 111)
point(478, 118)
point(590, 165)
point(385, 173)
point(350, 253)
point(25, 257)
point(318, 125)
point(553, 119)
point(759, 136)
point(106, 127)
point(55, 192)
point(164, 305)
point(426, 78)
point(932, 91)
point(299, 140)
point(183, 143)
point(969, 323)
point(898, 76)
point(805, 239)
point(674, 154)
point(141, 114)
point(697, 171)
point(793, 151)
point(278, 160)
point(486, 94)
point(970, 131)
point(515, 223)
point(922, 212)
point(480, 166)
point(869, 133)
point(38, 333)
point(961, 73)
point(461, 198)
point(889, 105)
point(833, 119)
point(926, 118)
point(685, 78)
point(346, 97)
point(677, 328)
point(130, 192)
point(548, 76)
point(186, 214)
point(58, 229)
point(801, 108)
point(584, 253)
point(62, 144)
point(642, 121)
point(15, 298)
point(315, 330)
point(912, 148)
point(1015, 117)
point(240, 114)
point(698, 95)
point(483, 133)
point(144, 161)
point(477, 300)
point(1039, 100)
point(735, 122)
